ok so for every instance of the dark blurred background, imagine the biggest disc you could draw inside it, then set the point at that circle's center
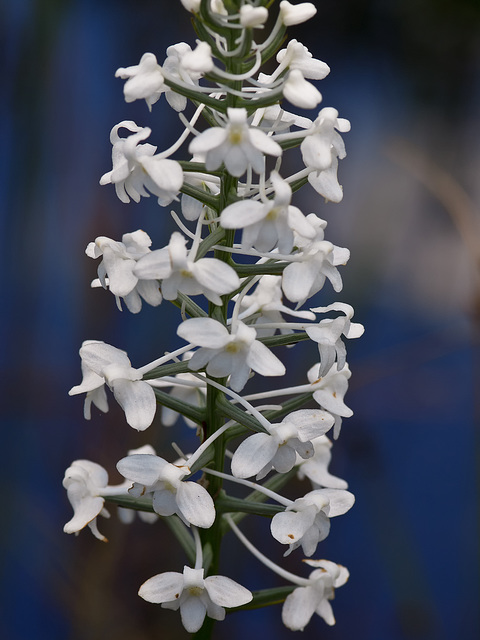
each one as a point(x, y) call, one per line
point(407, 74)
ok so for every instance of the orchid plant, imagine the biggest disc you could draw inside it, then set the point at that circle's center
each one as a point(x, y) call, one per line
point(241, 267)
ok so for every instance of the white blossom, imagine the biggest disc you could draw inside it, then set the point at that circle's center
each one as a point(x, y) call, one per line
point(170, 493)
point(115, 271)
point(194, 595)
point(275, 118)
point(303, 602)
point(226, 353)
point(297, 56)
point(316, 260)
point(144, 80)
point(199, 61)
point(306, 522)
point(329, 391)
point(84, 481)
point(321, 151)
point(136, 168)
point(179, 271)
point(269, 224)
point(328, 335)
point(300, 92)
point(102, 363)
point(265, 306)
point(292, 14)
point(316, 467)
point(236, 145)
point(262, 452)
point(253, 17)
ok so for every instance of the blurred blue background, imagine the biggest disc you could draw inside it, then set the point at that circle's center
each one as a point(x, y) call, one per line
point(407, 74)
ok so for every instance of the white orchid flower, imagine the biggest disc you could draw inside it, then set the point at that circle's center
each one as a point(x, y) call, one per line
point(179, 271)
point(321, 151)
point(144, 80)
point(292, 14)
point(300, 92)
point(297, 56)
point(86, 483)
point(266, 306)
point(269, 224)
point(170, 494)
point(102, 363)
point(316, 261)
point(303, 602)
point(328, 335)
point(253, 17)
point(236, 145)
point(115, 271)
point(329, 391)
point(262, 452)
point(324, 144)
point(316, 467)
point(307, 521)
point(136, 169)
point(226, 353)
point(194, 595)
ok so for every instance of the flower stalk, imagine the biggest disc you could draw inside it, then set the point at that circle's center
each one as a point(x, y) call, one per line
point(244, 260)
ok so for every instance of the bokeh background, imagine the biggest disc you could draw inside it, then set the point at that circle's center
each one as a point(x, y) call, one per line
point(407, 74)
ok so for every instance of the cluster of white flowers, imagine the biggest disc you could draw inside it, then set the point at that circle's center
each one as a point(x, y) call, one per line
point(249, 248)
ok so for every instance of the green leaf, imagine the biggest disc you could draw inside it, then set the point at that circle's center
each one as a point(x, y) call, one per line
point(242, 417)
point(229, 504)
point(129, 502)
point(167, 370)
point(185, 408)
point(201, 195)
point(266, 597)
point(281, 340)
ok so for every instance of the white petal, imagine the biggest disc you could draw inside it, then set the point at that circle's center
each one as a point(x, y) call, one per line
point(207, 140)
point(326, 183)
point(298, 278)
point(142, 468)
point(339, 501)
point(243, 213)
point(215, 275)
point(150, 292)
point(240, 372)
point(299, 607)
point(164, 502)
point(265, 144)
point(263, 361)
point(193, 612)
point(296, 14)
point(226, 592)
point(253, 454)
point(137, 399)
point(300, 92)
point(204, 332)
point(85, 512)
point(154, 265)
point(310, 423)
point(97, 355)
point(285, 459)
point(196, 504)
point(325, 611)
point(162, 587)
point(289, 527)
point(166, 174)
